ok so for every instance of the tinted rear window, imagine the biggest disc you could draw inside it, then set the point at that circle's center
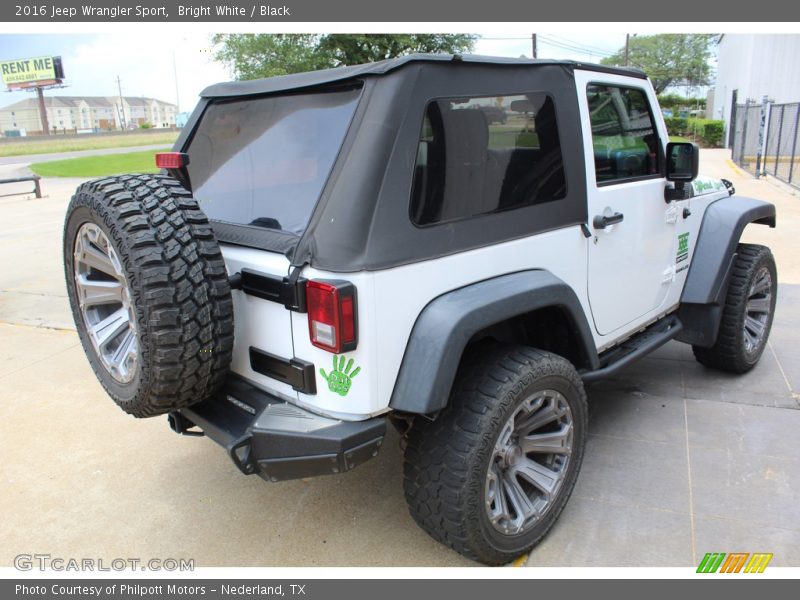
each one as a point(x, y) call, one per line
point(264, 161)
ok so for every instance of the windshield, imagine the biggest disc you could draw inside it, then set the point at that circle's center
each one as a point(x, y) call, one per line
point(264, 161)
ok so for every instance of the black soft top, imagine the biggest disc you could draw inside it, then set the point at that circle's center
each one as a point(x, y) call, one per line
point(311, 79)
point(362, 218)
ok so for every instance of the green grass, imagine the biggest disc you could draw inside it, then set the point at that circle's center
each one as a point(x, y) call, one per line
point(98, 166)
point(700, 123)
point(53, 144)
point(677, 138)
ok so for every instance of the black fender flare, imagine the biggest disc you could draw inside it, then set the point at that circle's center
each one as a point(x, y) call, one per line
point(713, 258)
point(445, 326)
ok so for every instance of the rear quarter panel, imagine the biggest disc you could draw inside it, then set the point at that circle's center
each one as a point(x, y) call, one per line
point(389, 302)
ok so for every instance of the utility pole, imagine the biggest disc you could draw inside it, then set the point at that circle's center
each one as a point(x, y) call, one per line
point(42, 110)
point(533, 45)
point(121, 105)
point(627, 47)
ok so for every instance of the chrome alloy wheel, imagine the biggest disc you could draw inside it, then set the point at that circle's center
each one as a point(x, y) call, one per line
point(529, 462)
point(757, 311)
point(104, 298)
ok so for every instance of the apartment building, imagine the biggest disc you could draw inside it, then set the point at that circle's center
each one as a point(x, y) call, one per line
point(86, 113)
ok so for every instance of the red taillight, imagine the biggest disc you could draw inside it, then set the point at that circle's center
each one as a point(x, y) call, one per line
point(332, 315)
point(171, 160)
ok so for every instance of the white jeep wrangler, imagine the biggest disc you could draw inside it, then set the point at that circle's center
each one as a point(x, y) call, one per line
point(453, 245)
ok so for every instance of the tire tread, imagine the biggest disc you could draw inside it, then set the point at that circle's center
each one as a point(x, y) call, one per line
point(727, 353)
point(441, 453)
point(178, 280)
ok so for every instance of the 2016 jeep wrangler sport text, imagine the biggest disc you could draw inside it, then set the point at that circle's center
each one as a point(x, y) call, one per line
point(450, 244)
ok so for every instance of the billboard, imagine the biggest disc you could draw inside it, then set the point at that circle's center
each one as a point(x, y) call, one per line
point(29, 72)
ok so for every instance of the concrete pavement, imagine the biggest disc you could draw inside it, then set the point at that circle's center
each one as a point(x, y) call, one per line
point(680, 461)
point(32, 288)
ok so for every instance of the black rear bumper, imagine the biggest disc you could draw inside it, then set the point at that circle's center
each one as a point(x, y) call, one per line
point(277, 440)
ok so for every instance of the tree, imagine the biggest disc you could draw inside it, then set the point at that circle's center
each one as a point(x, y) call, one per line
point(251, 56)
point(669, 58)
point(676, 101)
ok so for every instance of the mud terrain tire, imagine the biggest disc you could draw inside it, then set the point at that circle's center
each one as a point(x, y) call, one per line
point(149, 292)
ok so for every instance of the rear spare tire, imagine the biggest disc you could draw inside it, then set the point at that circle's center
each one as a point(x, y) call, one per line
point(149, 292)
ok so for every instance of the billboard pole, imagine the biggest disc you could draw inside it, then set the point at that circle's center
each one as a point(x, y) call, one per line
point(42, 110)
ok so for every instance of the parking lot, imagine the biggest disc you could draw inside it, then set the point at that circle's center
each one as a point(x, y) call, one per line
point(680, 461)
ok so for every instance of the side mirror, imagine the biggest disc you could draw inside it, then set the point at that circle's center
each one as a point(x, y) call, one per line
point(683, 164)
point(683, 161)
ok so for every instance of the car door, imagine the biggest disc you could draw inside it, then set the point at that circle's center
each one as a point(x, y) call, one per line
point(631, 258)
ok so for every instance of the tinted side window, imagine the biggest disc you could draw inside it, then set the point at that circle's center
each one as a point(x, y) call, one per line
point(483, 155)
point(624, 135)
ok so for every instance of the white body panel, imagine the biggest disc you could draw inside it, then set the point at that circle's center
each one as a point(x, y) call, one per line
point(259, 323)
point(361, 401)
point(390, 301)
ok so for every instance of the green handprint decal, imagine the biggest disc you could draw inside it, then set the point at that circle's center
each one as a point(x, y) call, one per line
point(341, 377)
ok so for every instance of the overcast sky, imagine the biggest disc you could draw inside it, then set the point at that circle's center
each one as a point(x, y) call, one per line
point(144, 63)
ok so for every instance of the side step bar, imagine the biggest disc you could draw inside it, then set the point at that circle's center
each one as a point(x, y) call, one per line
point(276, 440)
point(641, 344)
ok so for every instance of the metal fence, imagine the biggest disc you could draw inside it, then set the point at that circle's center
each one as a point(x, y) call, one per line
point(766, 140)
point(781, 145)
point(745, 144)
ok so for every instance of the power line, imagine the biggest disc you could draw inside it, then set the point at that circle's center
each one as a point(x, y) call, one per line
point(574, 47)
point(504, 38)
point(593, 49)
point(557, 42)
